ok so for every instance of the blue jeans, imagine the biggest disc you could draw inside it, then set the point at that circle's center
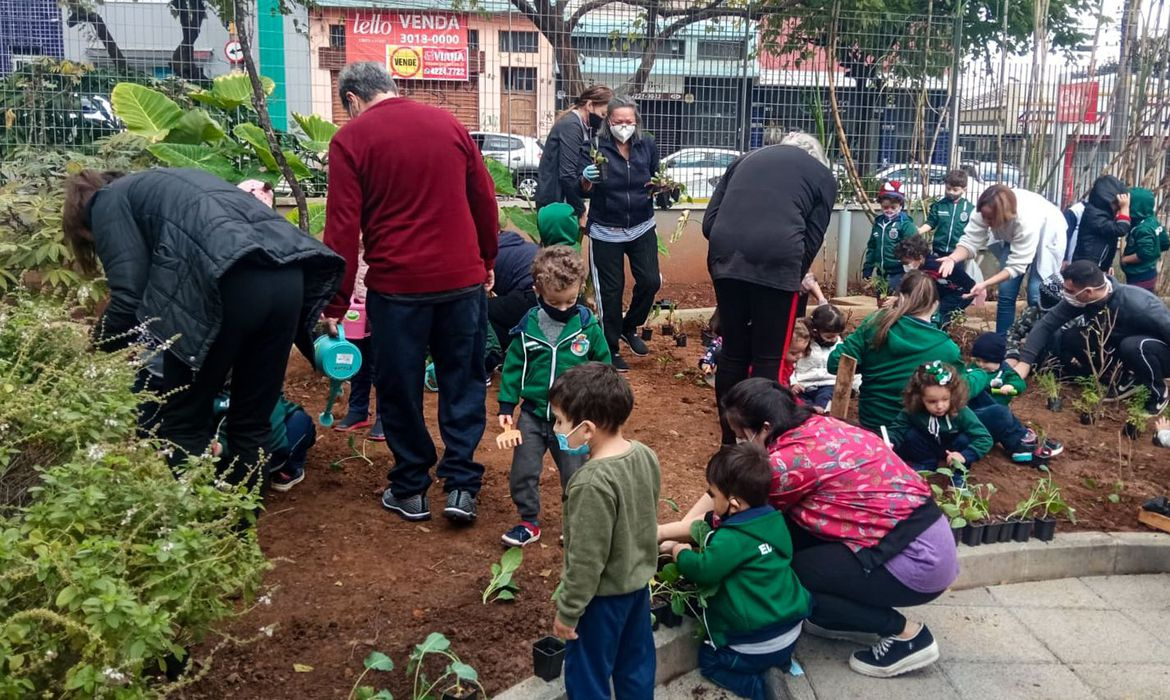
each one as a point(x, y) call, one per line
point(1003, 425)
point(924, 452)
point(742, 674)
point(818, 397)
point(302, 434)
point(1009, 291)
point(455, 332)
point(362, 382)
point(614, 639)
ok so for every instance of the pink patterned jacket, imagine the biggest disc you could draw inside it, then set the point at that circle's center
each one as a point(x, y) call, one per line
point(842, 483)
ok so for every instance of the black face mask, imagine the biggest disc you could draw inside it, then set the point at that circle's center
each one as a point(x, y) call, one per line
point(558, 315)
point(594, 121)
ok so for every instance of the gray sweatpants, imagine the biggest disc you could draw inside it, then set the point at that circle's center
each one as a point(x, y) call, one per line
point(528, 462)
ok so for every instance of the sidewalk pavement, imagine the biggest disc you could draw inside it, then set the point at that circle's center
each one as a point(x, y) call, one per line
point(1093, 637)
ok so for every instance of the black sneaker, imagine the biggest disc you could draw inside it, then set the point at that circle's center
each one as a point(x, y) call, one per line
point(460, 506)
point(637, 346)
point(619, 364)
point(1156, 404)
point(415, 507)
point(1125, 387)
point(892, 656)
point(286, 478)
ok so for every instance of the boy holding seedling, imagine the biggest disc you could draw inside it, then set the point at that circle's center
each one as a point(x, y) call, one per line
point(754, 616)
point(989, 353)
point(914, 253)
point(611, 548)
point(949, 216)
point(890, 227)
point(553, 337)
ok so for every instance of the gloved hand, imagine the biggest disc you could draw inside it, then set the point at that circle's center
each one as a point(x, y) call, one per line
point(591, 173)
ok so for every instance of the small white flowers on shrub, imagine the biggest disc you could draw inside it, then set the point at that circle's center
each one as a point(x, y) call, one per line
point(167, 546)
point(95, 452)
point(129, 516)
point(113, 676)
point(50, 654)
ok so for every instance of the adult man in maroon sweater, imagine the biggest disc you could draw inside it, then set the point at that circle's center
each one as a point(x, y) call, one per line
point(408, 179)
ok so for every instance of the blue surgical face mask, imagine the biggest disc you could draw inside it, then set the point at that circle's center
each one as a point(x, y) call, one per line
point(563, 443)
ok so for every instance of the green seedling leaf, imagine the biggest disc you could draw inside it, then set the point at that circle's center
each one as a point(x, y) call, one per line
point(512, 559)
point(463, 672)
point(377, 661)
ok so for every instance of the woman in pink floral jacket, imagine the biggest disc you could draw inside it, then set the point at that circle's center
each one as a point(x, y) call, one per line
point(867, 535)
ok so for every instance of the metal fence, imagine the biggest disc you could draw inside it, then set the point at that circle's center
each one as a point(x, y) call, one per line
point(890, 96)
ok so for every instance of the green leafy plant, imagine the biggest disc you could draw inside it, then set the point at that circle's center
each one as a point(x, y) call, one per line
point(502, 586)
point(880, 284)
point(355, 454)
point(1049, 500)
point(596, 157)
point(1049, 384)
point(1135, 410)
point(455, 677)
point(375, 661)
point(1089, 401)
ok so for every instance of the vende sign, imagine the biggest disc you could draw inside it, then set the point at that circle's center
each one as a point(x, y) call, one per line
point(413, 45)
point(1076, 103)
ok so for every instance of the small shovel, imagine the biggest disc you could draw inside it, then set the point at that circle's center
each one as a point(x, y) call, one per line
point(509, 439)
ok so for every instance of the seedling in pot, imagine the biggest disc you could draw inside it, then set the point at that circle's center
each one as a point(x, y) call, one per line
point(1049, 504)
point(601, 162)
point(459, 681)
point(1050, 387)
point(668, 326)
point(680, 340)
point(880, 285)
point(647, 333)
point(1136, 416)
point(1089, 402)
point(376, 661)
point(501, 586)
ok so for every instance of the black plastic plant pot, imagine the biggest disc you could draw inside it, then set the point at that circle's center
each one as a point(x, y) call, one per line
point(602, 171)
point(663, 613)
point(973, 535)
point(958, 533)
point(1023, 531)
point(1044, 529)
point(647, 333)
point(1007, 531)
point(1086, 418)
point(667, 329)
point(175, 667)
point(455, 693)
point(681, 340)
point(1054, 404)
point(548, 655)
point(1131, 431)
point(991, 532)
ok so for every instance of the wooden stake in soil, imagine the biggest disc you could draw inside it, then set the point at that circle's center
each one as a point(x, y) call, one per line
point(843, 391)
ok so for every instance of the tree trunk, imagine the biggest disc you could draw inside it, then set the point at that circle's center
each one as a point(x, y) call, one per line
point(191, 14)
point(82, 15)
point(571, 81)
point(260, 102)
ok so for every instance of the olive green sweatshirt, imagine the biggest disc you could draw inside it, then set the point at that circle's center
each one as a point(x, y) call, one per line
point(611, 529)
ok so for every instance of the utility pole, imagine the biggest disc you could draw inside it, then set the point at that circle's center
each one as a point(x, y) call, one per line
point(956, 104)
point(1119, 127)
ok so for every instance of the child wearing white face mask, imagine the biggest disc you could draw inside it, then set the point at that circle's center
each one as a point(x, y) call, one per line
point(892, 226)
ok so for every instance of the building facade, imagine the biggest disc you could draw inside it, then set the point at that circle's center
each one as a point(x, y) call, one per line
point(29, 29)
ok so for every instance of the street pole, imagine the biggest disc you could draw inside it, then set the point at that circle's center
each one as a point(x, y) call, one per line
point(953, 153)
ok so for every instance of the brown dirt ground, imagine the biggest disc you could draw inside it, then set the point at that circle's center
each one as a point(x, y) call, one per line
point(350, 578)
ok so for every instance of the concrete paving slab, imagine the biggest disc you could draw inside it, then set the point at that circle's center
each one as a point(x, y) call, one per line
point(826, 664)
point(1155, 622)
point(1125, 681)
point(689, 687)
point(1144, 592)
point(981, 634)
point(1062, 593)
point(972, 597)
point(1093, 636)
point(978, 681)
point(1142, 552)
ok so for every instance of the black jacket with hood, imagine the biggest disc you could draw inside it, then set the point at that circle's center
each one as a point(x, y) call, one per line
point(623, 199)
point(559, 176)
point(166, 237)
point(767, 218)
point(1100, 229)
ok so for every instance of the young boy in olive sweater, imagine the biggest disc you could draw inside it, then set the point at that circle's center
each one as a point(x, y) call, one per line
point(611, 539)
point(753, 619)
point(554, 336)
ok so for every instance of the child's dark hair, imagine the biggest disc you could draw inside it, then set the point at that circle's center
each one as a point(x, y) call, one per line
point(916, 295)
point(557, 267)
point(802, 330)
point(593, 392)
point(742, 471)
point(912, 248)
point(957, 178)
point(935, 374)
point(827, 318)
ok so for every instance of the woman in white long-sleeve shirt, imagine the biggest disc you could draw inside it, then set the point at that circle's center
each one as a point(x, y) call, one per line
point(1028, 230)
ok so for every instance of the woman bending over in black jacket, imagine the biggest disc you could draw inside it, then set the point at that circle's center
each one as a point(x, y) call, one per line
point(228, 282)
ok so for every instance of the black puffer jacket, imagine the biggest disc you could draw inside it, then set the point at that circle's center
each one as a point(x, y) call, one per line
point(1100, 230)
point(767, 218)
point(165, 238)
point(623, 199)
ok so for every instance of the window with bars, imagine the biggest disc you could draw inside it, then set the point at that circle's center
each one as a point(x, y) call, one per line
point(337, 37)
point(720, 50)
point(517, 79)
point(518, 42)
point(473, 40)
point(607, 47)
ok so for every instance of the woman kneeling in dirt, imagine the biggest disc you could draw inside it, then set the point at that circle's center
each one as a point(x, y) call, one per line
point(866, 533)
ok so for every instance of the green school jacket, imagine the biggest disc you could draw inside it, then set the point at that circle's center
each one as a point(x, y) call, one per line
point(965, 422)
point(947, 220)
point(749, 559)
point(879, 252)
point(884, 371)
point(534, 362)
point(980, 380)
point(1144, 237)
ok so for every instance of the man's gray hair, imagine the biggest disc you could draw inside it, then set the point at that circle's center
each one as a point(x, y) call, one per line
point(366, 79)
point(622, 103)
point(807, 143)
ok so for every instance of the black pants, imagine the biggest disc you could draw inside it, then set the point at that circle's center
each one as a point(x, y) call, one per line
point(757, 324)
point(845, 597)
point(505, 311)
point(609, 283)
point(261, 309)
point(1148, 359)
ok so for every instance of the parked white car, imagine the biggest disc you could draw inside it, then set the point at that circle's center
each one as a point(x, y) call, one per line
point(699, 169)
point(520, 153)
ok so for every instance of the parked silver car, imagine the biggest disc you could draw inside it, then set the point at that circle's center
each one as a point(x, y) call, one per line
point(520, 153)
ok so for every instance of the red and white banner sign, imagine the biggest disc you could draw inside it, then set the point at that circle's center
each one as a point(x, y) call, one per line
point(1076, 103)
point(413, 45)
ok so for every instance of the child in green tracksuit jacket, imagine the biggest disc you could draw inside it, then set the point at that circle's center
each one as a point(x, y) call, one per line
point(292, 433)
point(989, 353)
point(888, 229)
point(948, 216)
point(553, 337)
point(1145, 242)
point(753, 617)
point(935, 427)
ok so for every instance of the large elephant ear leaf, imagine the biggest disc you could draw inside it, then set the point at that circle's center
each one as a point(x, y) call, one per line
point(319, 131)
point(145, 111)
point(199, 156)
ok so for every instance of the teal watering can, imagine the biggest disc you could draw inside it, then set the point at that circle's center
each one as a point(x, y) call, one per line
point(339, 360)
